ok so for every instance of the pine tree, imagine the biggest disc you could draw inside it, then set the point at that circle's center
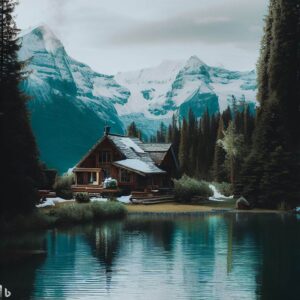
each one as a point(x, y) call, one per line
point(133, 131)
point(183, 148)
point(227, 117)
point(219, 172)
point(20, 168)
point(274, 159)
point(263, 63)
point(232, 143)
point(192, 143)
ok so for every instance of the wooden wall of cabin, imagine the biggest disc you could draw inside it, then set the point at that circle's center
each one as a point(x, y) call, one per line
point(94, 159)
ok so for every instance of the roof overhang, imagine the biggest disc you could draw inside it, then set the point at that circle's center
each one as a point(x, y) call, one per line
point(137, 166)
point(78, 170)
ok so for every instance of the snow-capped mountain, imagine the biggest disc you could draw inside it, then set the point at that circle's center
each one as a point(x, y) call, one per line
point(176, 86)
point(70, 102)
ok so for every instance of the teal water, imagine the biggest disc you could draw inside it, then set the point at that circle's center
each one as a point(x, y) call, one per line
point(224, 256)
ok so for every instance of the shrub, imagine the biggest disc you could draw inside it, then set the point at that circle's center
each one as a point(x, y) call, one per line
point(63, 186)
point(67, 214)
point(224, 188)
point(82, 197)
point(110, 183)
point(187, 187)
point(73, 213)
point(104, 210)
point(81, 213)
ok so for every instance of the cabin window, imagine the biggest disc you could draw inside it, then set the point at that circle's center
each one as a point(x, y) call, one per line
point(125, 176)
point(92, 178)
point(105, 157)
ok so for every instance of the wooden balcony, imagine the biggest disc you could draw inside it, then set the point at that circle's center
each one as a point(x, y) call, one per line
point(94, 189)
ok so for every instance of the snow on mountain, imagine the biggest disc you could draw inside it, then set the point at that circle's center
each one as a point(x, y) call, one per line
point(177, 86)
point(148, 87)
point(70, 102)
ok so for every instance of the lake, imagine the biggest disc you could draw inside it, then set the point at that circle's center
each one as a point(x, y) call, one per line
point(216, 256)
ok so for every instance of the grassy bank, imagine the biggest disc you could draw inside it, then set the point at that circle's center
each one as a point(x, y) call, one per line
point(67, 214)
point(174, 207)
point(177, 208)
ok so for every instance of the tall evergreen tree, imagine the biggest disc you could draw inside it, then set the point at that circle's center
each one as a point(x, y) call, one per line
point(20, 168)
point(274, 163)
point(232, 143)
point(183, 147)
point(133, 131)
point(219, 172)
point(192, 143)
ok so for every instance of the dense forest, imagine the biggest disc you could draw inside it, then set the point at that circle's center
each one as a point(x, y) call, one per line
point(210, 148)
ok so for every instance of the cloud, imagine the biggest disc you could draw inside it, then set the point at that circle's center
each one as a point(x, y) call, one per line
point(236, 22)
point(57, 9)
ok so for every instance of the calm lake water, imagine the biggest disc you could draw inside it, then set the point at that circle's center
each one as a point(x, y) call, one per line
point(223, 256)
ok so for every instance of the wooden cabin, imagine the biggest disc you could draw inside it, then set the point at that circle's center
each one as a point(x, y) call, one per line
point(137, 166)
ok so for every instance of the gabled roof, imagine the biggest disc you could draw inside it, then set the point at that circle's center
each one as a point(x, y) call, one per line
point(132, 149)
point(160, 147)
point(139, 166)
point(136, 157)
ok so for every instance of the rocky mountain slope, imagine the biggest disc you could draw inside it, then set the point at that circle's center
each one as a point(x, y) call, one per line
point(176, 86)
point(70, 103)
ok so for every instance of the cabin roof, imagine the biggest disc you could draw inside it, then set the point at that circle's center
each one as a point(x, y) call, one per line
point(157, 157)
point(138, 156)
point(132, 149)
point(137, 165)
point(160, 147)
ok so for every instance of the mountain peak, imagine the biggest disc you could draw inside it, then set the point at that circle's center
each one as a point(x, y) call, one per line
point(195, 62)
point(45, 34)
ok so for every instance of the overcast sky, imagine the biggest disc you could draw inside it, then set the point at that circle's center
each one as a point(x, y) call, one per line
point(121, 35)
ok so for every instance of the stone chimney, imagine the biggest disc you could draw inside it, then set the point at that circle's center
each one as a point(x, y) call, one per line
point(106, 130)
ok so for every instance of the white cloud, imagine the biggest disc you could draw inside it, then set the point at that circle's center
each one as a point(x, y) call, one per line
point(117, 35)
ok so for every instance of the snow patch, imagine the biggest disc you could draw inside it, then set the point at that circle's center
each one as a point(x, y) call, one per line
point(217, 196)
point(129, 143)
point(123, 199)
point(51, 202)
point(135, 164)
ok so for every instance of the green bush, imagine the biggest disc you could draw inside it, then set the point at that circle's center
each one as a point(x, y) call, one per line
point(110, 184)
point(67, 214)
point(81, 213)
point(104, 210)
point(72, 213)
point(63, 186)
point(224, 188)
point(187, 187)
point(82, 197)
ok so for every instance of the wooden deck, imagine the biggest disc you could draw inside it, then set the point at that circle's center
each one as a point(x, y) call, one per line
point(95, 190)
point(154, 200)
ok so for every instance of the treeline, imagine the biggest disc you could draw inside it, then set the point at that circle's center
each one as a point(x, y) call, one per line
point(210, 148)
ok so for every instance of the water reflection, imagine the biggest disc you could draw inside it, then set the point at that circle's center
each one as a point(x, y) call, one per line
point(231, 256)
point(27, 251)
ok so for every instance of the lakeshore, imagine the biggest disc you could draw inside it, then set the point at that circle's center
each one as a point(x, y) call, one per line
point(177, 208)
point(181, 208)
